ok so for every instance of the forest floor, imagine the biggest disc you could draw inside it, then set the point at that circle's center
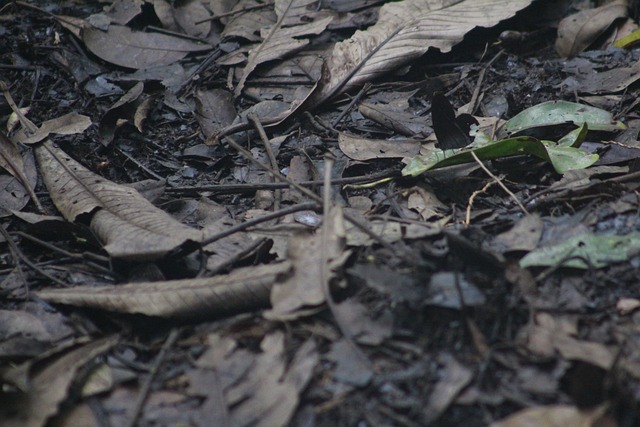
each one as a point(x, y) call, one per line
point(395, 300)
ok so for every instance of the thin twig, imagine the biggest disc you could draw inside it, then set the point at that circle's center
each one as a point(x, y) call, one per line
point(272, 158)
point(324, 271)
point(476, 193)
point(307, 192)
point(500, 183)
point(21, 256)
point(234, 12)
point(146, 386)
point(476, 92)
point(251, 223)
point(353, 102)
point(242, 188)
point(28, 124)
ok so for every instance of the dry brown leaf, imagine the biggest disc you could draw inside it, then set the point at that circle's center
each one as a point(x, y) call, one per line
point(551, 334)
point(248, 24)
point(123, 108)
point(454, 377)
point(271, 390)
point(123, 11)
point(395, 116)
point(553, 416)
point(16, 191)
point(284, 36)
point(405, 31)
point(359, 148)
point(303, 292)
point(68, 124)
point(611, 81)
point(49, 386)
point(242, 289)
point(214, 110)
point(132, 49)
point(524, 236)
point(576, 32)
point(187, 15)
point(11, 159)
point(128, 224)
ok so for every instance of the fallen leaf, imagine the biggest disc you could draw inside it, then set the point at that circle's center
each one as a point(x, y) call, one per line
point(559, 112)
point(553, 416)
point(303, 292)
point(49, 386)
point(359, 148)
point(284, 36)
point(129, 225)
point(562, 158)
point(214, 110)
point(242, 289)
point(576, 32)
point(271, 390)
point(349, 367)
point(68, 124)
point(586, 250)
point(247, 24)
point(405, 31)
point(133, 49)
point(454, 377)
point(524, 236)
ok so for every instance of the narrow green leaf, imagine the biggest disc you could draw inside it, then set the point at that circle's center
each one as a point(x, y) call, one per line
point(563, 158)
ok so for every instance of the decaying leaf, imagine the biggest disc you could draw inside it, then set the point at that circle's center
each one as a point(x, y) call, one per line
point(405, 31)
point(271, 391)
point(128, 224)
point(242, 289)
point(301, 293)
point(284, 36)
point(359, 148)
point(454, 377)
point(68, 124)
point(576, 32)
point(133, 49)
point(49, 386)
point(249, 23)
point(11, 160)
point(214, 110)
point(549, 335)
point(132, 107)
point(553, 416)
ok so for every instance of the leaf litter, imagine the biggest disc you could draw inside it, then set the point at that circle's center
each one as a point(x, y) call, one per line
point(497, 292)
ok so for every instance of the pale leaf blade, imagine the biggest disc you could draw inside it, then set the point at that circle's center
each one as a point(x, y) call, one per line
point(243, 289)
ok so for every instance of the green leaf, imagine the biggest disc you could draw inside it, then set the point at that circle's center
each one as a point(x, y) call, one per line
point(563, 158)
point(557, 113)
point(599, 250)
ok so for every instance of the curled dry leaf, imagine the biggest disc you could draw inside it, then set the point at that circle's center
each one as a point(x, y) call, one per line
point(128, 224)
point(49, 386)
point(269, 394)
point(132, 49)
point(284, 36)
point(242, 289)
point(68, 124)
point(576, 32)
